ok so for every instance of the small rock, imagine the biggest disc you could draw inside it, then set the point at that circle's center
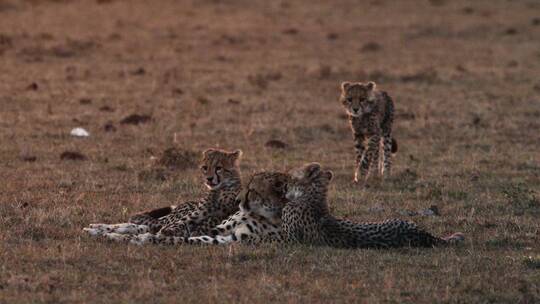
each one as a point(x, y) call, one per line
point(79, 132)
point(138, 72)
point(258, 80)
point(33, 86)
point(461, 68)
point(66, 183)
point(290, 31)
point(332, 36)
point(72, 155)
point(135, 119)
point(273, 76)
point(233, 101)
point(376, 209)
point(275, 143)
point(85, 101)
point(371, 47)
point(476, 120)
point(433, 210)
point(106, 109)
point(203, 100)
point(28, 157)
point(467, 10)
point(510, 31)
point(408, 212)
point(109, 127)
point(512, 64)
point(177, 91)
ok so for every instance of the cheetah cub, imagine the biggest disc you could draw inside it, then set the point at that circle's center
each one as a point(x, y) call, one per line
point(371, 114)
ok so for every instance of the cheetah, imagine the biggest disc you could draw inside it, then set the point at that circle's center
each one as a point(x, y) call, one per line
point(371, 115)
point(259, 218)
point(222, 177)
point(257, 221)
point(306, 219)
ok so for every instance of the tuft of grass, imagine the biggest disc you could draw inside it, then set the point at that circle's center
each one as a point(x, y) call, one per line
point(532, 262)
point(521, 199)
point(505, 243)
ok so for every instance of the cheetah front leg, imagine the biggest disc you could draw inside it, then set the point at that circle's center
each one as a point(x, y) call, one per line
point(385, 164)
point(144, 239)
point(208, 240)
point(360, 147)
point(122, 228)
point(371, 156)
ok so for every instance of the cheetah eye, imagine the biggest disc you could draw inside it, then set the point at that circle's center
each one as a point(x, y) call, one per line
point(204, 168)
point(349, 99)
point(218, 168)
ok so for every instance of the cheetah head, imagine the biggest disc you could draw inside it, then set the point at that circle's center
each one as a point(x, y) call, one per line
point(220, 168)
point(358, 98)
point(309, 180)
point(265, 194)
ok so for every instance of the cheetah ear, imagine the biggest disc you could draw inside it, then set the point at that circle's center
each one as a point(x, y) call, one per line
point(312, 169)
point(244, 204)
point(345, 86)
point(235, 157)
point(208, 151)
point(371, 85)
point(280, 186)
point(236, 154)
point(329, 174)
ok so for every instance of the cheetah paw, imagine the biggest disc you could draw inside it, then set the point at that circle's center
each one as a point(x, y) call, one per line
point(129, 228)
point(455, 238)
point(142, 239)
point(99, 226)
point(117, 237)
point(93, 231)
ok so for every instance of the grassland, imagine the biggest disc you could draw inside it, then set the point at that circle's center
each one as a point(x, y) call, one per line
point(465, 77)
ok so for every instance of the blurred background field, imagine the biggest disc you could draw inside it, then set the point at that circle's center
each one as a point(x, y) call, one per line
point(156, 82)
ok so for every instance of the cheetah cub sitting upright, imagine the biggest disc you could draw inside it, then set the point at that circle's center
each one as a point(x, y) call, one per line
point(371, 114)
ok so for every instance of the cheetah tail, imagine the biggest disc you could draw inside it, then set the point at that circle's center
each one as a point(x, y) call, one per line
point(145, 217)
point(455, 238)
point(394, 146)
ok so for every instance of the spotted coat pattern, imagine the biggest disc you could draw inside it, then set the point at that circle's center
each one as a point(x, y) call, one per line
point(257, 221)
point(371, 115)
point(222, 177)
point(306, 219)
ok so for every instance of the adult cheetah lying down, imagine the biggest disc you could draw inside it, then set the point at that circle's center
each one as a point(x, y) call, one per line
point(306, 219)
point(222, 177)
point(259, 218)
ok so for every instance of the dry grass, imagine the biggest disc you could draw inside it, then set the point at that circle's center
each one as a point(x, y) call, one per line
point(236, 74)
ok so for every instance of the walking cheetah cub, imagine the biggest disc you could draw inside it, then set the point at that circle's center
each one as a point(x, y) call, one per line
point(371, 114)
